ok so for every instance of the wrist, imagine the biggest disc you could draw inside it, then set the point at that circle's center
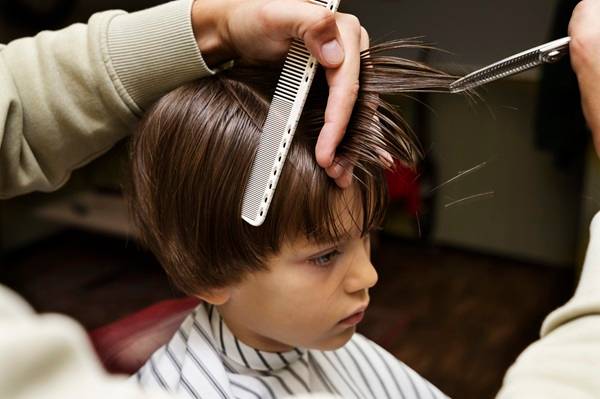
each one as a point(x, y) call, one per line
point(209, 23)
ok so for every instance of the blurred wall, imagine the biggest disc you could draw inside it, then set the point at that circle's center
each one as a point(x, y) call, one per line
point(475, 31)
point(522, 205)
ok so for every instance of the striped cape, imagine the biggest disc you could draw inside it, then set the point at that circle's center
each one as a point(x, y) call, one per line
point(204, 360)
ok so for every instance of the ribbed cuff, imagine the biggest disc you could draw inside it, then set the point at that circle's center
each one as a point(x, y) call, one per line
point(153, 51)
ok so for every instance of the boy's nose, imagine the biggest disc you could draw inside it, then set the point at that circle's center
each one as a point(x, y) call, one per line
point(362, 276)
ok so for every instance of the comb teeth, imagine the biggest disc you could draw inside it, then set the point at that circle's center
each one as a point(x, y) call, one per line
point(279, 128)
point(497, 71)
point(294, 71)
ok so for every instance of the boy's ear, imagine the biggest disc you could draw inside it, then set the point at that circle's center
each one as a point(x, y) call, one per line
point(215, 296)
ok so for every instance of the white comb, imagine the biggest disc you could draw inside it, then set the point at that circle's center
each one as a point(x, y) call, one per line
point(279, 128)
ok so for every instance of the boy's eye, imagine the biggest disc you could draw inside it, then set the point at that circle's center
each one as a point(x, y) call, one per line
point(325, 259)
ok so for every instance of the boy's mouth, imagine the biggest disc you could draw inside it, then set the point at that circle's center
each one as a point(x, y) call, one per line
point(355, 317)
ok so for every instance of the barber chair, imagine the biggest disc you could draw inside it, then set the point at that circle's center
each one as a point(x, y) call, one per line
point(124, 346)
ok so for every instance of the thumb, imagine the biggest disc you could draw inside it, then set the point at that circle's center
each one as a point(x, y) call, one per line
point(322, 39)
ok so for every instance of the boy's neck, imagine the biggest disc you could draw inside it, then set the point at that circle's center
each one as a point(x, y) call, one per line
point(249, 337)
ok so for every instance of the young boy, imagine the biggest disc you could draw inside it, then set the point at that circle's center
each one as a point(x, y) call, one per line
point(281, 301)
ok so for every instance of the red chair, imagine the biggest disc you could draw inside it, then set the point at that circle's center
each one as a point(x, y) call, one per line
point(124, 345)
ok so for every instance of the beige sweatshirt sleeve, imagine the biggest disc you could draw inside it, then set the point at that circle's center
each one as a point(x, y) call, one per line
point(565, 361)
point(68, 96)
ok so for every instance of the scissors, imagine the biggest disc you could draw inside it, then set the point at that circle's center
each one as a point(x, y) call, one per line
point(544, 54)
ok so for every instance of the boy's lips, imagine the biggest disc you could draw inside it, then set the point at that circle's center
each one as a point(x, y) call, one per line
point(355, 318)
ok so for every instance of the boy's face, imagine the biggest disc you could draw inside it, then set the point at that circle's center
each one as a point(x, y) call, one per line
point(312, 295)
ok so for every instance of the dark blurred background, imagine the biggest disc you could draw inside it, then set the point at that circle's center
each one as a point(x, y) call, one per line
point(469, 263)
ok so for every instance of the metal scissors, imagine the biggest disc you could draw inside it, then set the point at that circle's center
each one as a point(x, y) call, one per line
point(546, 53)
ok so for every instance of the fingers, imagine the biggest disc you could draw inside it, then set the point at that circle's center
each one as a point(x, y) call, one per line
point(335, 40)
point(343, 90)
point(341, 170)
point(585, 34)
point(585, 59)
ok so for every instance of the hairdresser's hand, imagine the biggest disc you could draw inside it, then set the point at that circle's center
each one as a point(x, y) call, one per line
point(260, 31)
point(584, 30)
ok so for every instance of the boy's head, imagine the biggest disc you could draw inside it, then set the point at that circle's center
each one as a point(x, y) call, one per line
point(293, 280)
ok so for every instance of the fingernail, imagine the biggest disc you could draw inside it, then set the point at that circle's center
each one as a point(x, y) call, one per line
point(332, 52)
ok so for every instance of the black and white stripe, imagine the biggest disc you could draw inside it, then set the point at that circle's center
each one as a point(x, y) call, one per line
point(205, 360)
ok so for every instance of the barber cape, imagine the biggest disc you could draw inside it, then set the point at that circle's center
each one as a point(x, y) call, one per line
point(205, 360)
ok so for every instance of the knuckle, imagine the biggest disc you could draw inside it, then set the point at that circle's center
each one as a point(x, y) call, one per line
point(267, 16)
point(583, 5)
point(326, 17)
point(324, 21)
point(351, 22)
point(583, 28)
point(586, 8)
point(576, 11)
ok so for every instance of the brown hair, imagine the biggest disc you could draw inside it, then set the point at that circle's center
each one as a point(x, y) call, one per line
point(193, 151)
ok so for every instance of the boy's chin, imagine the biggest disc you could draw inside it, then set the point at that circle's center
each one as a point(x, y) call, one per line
point(336, 341)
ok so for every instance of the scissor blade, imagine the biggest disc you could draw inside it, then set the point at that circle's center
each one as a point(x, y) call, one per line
point(549, 52)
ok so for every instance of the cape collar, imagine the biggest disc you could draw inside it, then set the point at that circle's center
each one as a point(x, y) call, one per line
point(245, 355)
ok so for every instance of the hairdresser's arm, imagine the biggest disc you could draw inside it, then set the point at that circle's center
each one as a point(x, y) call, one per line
point(565, 361)
point(260, 31)
point(68, 96)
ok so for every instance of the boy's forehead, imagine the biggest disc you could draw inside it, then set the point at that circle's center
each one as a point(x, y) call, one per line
point(348, 224)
